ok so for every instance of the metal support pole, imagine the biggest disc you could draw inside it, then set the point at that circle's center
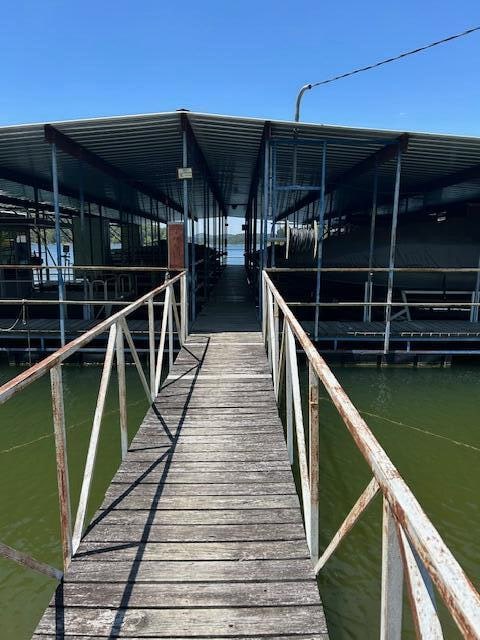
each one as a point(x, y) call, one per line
point(274, 199)
point(205, 262)
point(184, 306)
point(194, 271)
point(321, 219)
point(208, 261)
point(367, 311)
point(263, 233)
point(185, 205)
point(58, 242)
point(393, 245)
point(170, 330)
point(476, 296)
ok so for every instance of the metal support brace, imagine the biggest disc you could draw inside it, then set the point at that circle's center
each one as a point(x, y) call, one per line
point(367, 311)
point(321, 219)
point(58, 242)
point(393, 245)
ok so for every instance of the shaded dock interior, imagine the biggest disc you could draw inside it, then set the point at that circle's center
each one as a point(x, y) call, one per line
point(369, 226)
point(200, 533)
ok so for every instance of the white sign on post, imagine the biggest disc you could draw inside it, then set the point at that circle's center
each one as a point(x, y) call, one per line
point(184, 173)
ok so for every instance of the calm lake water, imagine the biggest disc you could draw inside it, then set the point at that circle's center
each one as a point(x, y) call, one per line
point(427, 420)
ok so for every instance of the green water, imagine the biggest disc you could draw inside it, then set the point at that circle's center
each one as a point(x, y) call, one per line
point(427, 420)
point(29, 518)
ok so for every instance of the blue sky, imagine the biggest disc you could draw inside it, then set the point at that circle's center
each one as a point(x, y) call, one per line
point(65, 60)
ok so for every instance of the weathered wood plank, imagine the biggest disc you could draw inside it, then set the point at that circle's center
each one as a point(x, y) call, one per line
point(175, 477)
point(166, 623)
point(194, 533)
point(151, 490)
point(195, 517)
point(191, 595)
point(258, 550)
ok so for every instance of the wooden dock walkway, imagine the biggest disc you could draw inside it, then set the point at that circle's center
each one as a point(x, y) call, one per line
point(200, 534)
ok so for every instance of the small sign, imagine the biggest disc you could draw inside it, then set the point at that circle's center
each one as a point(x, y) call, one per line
point(184, 173)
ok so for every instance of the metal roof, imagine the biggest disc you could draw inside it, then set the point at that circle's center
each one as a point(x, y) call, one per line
point(148, 148)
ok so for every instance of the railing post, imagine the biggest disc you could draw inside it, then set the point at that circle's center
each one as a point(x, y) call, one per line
point(94, 437)
point(184, 306)
point(62, 463)
point(122, 390)
point(300, 432)
point(272, 339)
point(263, 289)
point(392, 579)
point(170, 330)
point(288, 396)
point(151, 345)
point(161, 344)
point(314, 462)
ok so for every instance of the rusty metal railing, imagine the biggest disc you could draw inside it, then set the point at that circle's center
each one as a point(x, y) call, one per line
point(118, 333)
point(412, 549)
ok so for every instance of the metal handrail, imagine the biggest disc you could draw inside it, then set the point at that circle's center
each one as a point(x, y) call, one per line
point(410, 542)
point(118, 330)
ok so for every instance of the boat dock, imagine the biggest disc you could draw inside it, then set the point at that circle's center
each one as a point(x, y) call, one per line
point(200, 533)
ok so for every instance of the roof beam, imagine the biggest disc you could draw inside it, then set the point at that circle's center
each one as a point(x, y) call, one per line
point(72, 148)
point(465, 175)
point(255, 179)
point(211, 180)
point(46, 185)
point(386, 153)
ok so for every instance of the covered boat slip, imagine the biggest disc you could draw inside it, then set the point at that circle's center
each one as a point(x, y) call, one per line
point(376, 203)
point(200, 533)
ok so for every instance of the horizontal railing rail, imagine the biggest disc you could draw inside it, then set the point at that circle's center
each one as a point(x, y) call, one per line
point(368, 304)
point(411, 546)
point(118, 334)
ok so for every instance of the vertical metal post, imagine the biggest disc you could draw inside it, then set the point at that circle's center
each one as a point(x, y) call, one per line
point(185, 203)
point(122, 390)
point(184, 306)
point(194, 270)
point(314, 462)
point(367, 310)
point(263, 226)
point(393, 245)
point(205, 262)
point(476, 296)
point(58, 242)
point(274, 199)
point(151, 345)
point(288, 396)
point(321, 218)
point(170, 329)
point(82, 198)
point(62, 463)
point(392, 579)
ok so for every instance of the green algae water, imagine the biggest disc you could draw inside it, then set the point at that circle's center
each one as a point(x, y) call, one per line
point(426, 419)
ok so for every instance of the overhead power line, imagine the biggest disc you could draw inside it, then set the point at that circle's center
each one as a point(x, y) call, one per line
point(306, 87)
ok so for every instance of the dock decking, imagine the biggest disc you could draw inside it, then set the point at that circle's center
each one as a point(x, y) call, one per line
point(200, 533)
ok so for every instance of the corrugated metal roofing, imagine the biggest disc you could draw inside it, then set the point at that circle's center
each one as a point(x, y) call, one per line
point(149, 149)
